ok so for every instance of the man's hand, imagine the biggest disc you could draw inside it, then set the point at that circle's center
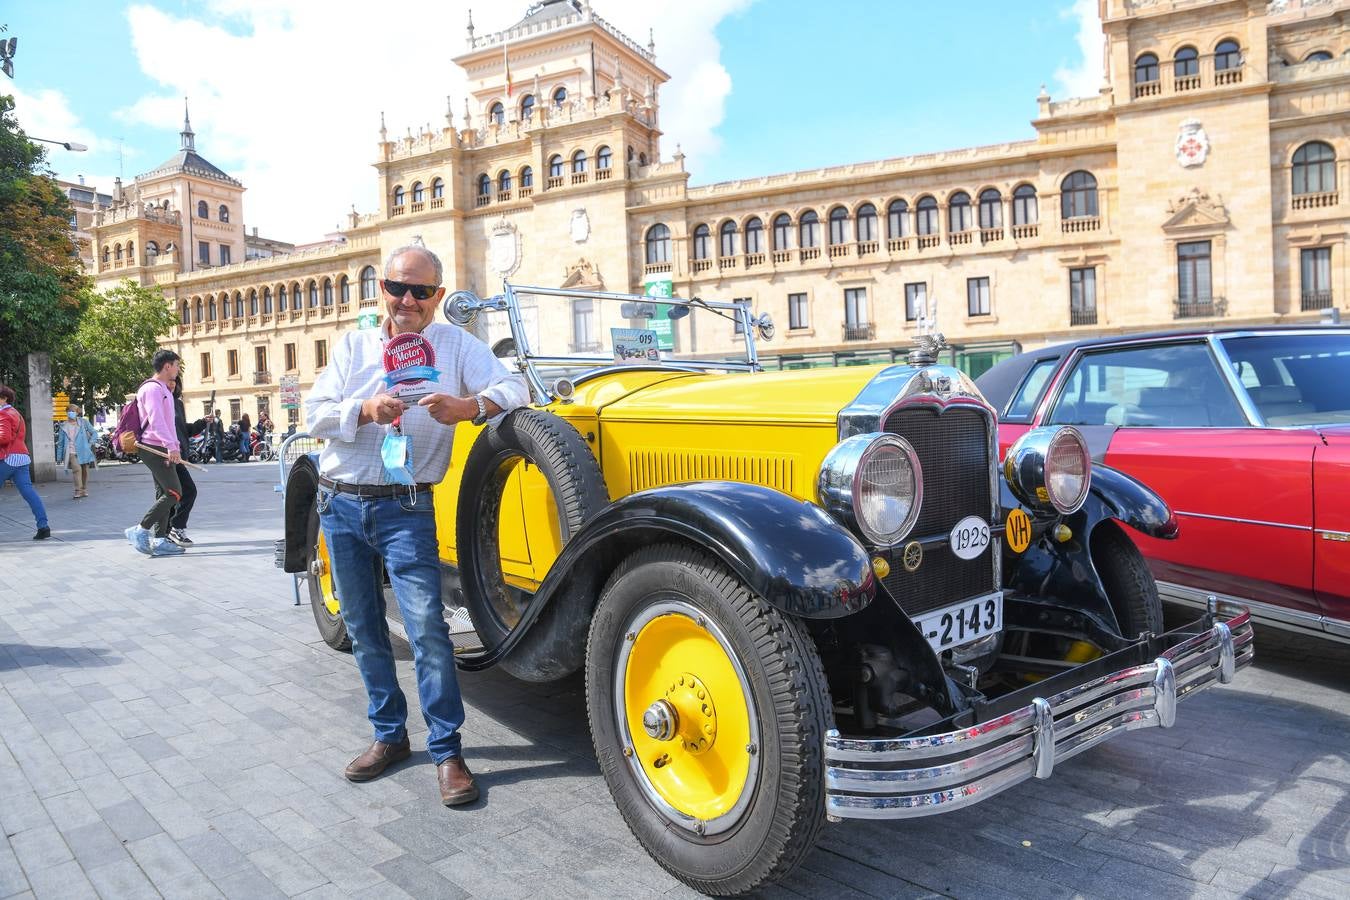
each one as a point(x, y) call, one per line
point(449, 409)
point(174, 458)
point(381, 409)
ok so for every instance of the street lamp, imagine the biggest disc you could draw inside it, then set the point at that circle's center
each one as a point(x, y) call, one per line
point(69, 145)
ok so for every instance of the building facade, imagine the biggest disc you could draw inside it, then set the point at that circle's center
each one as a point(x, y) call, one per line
point(1200, 186)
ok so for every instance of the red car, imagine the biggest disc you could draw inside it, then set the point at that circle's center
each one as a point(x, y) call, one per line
point(1244, 432)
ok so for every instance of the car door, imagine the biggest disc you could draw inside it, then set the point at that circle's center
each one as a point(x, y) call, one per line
point(1331, 543)
point(1242, 494)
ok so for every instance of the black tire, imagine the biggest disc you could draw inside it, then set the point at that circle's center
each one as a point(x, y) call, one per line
point(770, 830)
point(332, 628)
point(1129, 584)
point(554, 645)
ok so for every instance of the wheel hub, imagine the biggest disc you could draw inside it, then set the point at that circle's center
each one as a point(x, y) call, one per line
point(695, 714)
point(660, 721)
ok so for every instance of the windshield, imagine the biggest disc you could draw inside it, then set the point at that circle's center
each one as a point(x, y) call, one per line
point(1297, 378)
point(556, 333)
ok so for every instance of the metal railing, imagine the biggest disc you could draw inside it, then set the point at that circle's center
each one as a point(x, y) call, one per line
point(262, 377)
point(1084, 316)
point(1199, 307)
point(860, 331)
point(1314, 300)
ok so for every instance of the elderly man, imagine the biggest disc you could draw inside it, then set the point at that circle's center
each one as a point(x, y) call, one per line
point(388, 403)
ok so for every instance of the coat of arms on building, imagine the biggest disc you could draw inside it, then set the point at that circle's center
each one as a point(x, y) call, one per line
point(1192, 144)
point(580, 226)
point(504, 248)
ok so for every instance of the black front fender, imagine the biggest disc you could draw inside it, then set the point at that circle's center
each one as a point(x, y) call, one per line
point(1129, 500)
point(790, 552)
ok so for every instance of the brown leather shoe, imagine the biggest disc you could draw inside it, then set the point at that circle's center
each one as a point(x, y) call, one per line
point(374, 761)
point(456, 781)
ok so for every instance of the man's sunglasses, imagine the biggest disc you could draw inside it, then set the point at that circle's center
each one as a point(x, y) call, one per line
point(419, 291)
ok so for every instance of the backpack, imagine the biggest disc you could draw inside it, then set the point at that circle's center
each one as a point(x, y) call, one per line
point(129, 426)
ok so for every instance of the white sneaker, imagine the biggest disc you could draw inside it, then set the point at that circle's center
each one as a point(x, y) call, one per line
point(179, 537)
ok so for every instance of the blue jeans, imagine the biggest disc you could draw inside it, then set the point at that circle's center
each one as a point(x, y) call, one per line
point(25, 486)
point(359, 531)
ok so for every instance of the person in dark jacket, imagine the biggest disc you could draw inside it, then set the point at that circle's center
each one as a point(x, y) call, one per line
point(216, 438)
point(179, 522)
point(245, 438)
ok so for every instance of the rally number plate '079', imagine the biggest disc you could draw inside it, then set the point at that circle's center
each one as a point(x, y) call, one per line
point(963, 622)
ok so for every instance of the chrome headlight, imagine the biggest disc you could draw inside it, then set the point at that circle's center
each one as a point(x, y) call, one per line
point(873, 483)
point(1050, 469)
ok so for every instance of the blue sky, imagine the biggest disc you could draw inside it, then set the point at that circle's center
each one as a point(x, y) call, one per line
point(288, 92)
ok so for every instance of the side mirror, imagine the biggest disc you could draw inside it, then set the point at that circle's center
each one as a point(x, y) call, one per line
point(460, 308)
point(677, 312)
point(764, 323)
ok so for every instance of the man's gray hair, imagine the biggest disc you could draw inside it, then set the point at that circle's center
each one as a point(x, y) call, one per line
point(416, 247)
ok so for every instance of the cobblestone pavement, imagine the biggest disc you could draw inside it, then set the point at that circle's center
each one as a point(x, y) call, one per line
point(175, 727)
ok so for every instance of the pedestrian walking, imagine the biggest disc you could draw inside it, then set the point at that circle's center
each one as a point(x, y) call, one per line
point(75, 441)
point(216, 436)
point(154, 403)
point(14, 459)
point(178, 523)
point(245, 438)
point(365, 516)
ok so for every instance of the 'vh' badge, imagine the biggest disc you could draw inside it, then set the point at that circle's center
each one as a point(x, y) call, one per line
point(410, 362)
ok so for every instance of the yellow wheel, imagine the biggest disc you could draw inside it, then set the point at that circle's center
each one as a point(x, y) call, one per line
point(708, 708)
point(323, 597)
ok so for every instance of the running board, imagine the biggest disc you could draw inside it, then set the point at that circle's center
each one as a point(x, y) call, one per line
point(1267, 614)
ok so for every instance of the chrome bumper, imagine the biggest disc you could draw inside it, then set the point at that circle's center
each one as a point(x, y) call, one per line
point(900, 778)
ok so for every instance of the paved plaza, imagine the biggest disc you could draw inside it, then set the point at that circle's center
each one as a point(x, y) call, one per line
point(175, 727)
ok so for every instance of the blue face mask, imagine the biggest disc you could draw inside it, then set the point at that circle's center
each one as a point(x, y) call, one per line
point(396, 454)
point(70, 415)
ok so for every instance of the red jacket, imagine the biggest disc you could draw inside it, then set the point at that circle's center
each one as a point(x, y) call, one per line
point(12, 431)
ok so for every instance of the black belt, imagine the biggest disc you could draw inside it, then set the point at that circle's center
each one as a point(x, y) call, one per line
point(373, 491)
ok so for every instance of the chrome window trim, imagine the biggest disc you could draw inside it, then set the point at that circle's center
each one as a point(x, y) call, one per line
point(1245, 402)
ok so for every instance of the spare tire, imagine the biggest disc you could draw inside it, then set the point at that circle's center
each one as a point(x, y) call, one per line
point(555, 646)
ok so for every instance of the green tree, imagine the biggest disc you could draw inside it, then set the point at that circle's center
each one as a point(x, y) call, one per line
point(42, 285)
point(109, 354)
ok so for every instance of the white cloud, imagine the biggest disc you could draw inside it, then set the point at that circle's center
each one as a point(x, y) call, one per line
point(1084, 78)
point(286, 94)
point(47, 114)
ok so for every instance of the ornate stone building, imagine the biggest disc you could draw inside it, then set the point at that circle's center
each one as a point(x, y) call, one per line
point(1200, 186)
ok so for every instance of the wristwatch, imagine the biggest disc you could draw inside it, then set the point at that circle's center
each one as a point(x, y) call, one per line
point(482, 417)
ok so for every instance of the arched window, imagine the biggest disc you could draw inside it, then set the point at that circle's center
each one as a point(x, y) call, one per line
point(782, 232)
point(253, 302)
point(838, 225)
point(702, 242)
point(210, 309)
point(368, 286)
point(527, 107)
point(497, 114)
point(297, 299)
point(1227, 55)
point(604, 158)
point(328, 292)
point(867, 222)
point(437, 188)
point(197, 311)
point(754, 235)
point(223, 213)
point(107, 254)
point(503, 181)
point(238, 305)
point(1078, 195)
point(203, 211)
point(186, 317)
point(579, 162)
point(484, 185)
point(1318, 56)
point(224, 306)
point(726, 239)
point(344, 290)
point(151, 252)
point(526, 177)
point(398, 195)
point(1025, 211)
point(559, 97)
point(926, 214)
point(897, 219)
point(131, 253)
point(267, 301)
point(555, 166)
point(642, 160)
point(281, 299)
point(808, 229)
point(1314, 168)
point(991, 208)
point(117, 252)
point(1186, 62)
point(958, 212)
point(313, 294)
point(658, 244)
point(1146, 68)
point(419, 193)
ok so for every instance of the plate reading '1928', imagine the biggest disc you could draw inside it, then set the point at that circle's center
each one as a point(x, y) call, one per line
point(969, 537)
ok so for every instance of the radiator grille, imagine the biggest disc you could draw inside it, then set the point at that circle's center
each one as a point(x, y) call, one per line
point(953, 449)
point(650, 468)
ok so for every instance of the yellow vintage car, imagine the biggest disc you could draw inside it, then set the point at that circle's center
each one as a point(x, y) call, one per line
point(797, 596)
